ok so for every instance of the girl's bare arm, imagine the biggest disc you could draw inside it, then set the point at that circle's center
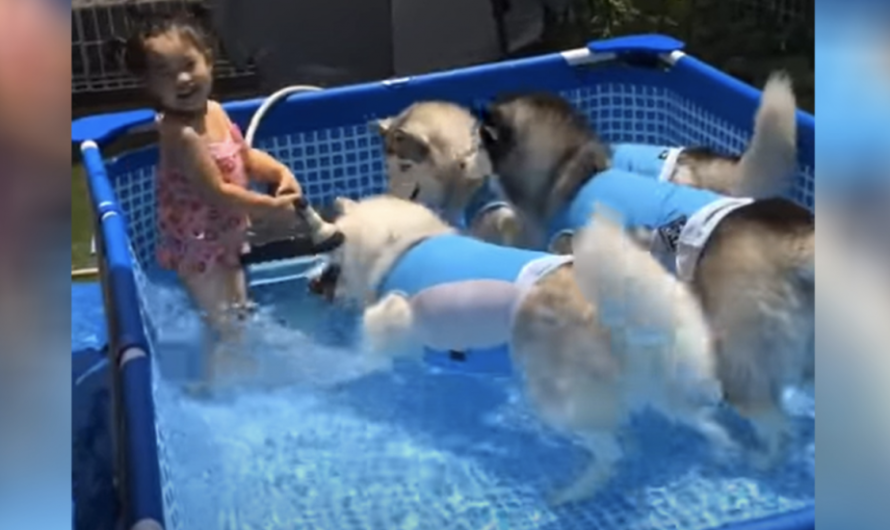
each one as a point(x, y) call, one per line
point(264, 168)
point(193, 157)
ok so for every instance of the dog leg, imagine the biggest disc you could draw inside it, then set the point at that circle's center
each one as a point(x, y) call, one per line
point(606, 453)
point(719, 441)
point(774, 431)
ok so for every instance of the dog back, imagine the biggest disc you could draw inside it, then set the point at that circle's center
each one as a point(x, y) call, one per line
point(641, 202)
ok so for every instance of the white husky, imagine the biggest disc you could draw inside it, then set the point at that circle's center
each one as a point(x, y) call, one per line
point(595, 337)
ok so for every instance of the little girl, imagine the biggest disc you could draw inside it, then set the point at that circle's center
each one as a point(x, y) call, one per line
point(203, 198)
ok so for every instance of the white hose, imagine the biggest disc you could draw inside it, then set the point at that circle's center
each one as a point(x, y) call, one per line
point(315, 221)
point(270, 102)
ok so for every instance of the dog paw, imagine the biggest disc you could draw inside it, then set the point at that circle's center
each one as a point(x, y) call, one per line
point(766, 461)
point(568, 495)
point(584, 487)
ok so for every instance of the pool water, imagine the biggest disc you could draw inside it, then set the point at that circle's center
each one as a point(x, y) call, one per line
point(321, 436)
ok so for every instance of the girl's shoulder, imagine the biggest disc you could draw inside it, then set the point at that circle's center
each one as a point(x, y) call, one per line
point(171, 128)
point(223, 124)
point(216, 127)
point(217, 115)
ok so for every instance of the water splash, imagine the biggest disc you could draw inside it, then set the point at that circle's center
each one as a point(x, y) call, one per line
point(324, 438)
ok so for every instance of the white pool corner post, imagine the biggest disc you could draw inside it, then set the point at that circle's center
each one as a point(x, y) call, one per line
point(147, 524)
point(585, 56)
point(673, 57)
point(130, 353)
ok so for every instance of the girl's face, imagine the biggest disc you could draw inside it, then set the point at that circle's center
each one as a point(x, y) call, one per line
point(179, 74)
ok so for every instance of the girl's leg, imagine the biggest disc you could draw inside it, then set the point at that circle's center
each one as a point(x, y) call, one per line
point(237, 293)
point(216, 293)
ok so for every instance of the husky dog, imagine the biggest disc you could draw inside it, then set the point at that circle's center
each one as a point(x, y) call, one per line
point(595, 337)
point(765, 169)
point(433, 157)
point(419, 165)
point(751, 262)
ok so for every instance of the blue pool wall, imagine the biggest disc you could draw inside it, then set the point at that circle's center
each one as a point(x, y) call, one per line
point(633, 89)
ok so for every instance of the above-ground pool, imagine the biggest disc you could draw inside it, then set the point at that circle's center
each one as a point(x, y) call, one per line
point(323, 438)
point(316, 433)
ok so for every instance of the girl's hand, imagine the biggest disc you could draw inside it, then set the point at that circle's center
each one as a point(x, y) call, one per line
point(285, 201)
point(276, 223)
point(288, 185)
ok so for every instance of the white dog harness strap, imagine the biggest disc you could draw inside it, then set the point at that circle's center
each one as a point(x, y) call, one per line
point(538, 269)
point(467, 314)
point(476, 313)
point(698, 230)
point(654, 161)
point(533, 273)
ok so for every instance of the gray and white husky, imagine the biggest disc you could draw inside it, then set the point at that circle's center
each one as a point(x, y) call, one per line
point(433, 156)
point(751, 262)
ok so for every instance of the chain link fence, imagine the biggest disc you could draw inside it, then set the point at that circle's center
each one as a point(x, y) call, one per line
point(94, 23)
point(746, 38)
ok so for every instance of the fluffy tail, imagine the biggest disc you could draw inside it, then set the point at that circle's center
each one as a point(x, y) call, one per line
point(389, 326)
point(806, 269)
point(805, 272)
point(645, 307)
point(767, 167)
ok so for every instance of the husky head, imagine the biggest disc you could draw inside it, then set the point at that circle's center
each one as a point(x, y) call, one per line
point(535, 142)
point(433, 155)
point(377, 231)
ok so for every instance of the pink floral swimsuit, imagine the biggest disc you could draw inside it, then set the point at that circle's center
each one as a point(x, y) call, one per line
point(193, 235)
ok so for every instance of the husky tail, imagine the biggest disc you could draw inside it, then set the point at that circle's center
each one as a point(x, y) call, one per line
point(767, 167)
point(657, 325)
point(806, 266)
point(657, 317)
point(804, 277)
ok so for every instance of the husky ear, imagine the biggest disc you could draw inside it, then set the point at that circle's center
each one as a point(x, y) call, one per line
point(382, 126)
point(344, 205)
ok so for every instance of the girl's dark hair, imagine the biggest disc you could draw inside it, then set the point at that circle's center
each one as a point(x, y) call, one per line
point(142, 25)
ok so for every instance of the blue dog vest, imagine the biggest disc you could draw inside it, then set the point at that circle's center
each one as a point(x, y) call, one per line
point(642, 202)
point(484, 200)
point(455, 258)
point(653, 161)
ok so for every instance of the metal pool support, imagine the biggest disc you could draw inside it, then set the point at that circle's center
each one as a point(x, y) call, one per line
point(137, 471)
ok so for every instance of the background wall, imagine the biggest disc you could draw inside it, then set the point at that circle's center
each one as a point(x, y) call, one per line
point(747, 38)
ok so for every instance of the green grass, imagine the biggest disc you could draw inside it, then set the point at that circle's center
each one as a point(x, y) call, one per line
point(81, 221)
